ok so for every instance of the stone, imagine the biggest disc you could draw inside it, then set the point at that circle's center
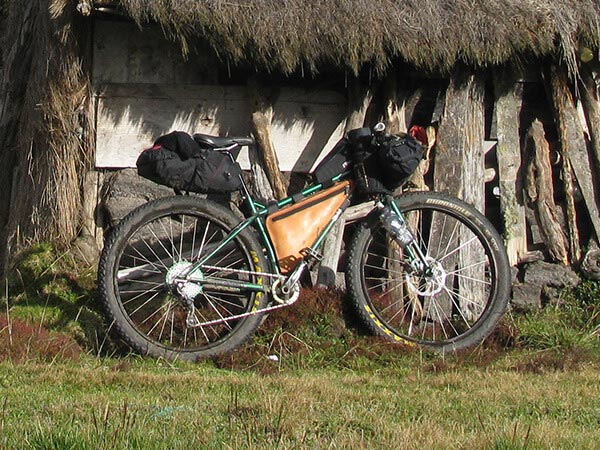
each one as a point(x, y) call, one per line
point(590, 266)
point(541, 273)
point(125, 190)
point(526, 296)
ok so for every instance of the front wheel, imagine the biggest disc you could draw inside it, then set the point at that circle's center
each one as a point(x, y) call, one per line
point(452, 305)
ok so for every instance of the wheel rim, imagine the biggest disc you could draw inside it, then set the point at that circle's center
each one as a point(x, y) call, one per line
point(436, 308)
point(156, 253)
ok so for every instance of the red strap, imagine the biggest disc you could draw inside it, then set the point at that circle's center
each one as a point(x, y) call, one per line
point(419, 133)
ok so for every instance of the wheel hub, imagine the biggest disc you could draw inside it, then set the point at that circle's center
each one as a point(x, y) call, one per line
point(187, 289)
point(430, 282)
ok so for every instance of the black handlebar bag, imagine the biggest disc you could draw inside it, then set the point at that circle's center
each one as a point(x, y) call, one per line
point(391, 162)
point(176, 160)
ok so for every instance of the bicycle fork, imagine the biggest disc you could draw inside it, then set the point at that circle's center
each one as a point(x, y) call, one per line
point(395, 224)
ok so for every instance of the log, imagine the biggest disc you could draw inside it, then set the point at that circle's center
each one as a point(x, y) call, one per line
point(358, 212)
point(395, 109)
point(261, 124)
point(575, 157)
point(539, 191)
point(359, 99)
point(459, 169)
point(260, 181)
point(508, 151)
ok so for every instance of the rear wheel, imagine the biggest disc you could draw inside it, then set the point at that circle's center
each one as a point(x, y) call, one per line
point(453, 305)
point(142, 268)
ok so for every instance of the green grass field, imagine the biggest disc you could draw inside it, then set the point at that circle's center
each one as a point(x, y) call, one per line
point(130, 403)
point(306, 380)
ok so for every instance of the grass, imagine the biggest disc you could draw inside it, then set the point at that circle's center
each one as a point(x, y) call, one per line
point(147, 404)
point(304, 381)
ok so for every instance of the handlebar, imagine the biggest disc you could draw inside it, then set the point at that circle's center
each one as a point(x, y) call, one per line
point(366, 140)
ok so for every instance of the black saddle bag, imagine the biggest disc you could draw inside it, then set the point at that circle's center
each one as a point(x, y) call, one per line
point(176, 160)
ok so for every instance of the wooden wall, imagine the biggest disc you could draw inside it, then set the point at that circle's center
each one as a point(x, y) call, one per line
point(145, 88)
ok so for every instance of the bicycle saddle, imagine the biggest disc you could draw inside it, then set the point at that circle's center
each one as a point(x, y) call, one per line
point(219, 142)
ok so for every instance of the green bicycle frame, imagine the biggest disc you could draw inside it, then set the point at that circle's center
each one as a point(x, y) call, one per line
point(257, 219)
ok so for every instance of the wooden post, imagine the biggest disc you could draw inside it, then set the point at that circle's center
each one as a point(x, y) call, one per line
point(540, 192)
point(260, 181)
point(261, 123)
point(591, 107)
point(395, 99)
point(359, 99)
point(574, 156)
point(590, 101)
point(459, 160)
point(459, 169)
point(508, 151)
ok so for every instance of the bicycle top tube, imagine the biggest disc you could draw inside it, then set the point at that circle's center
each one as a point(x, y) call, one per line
point(258, 220)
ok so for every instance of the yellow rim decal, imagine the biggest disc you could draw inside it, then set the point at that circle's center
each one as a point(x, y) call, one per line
point(386, 330)
point(259, 281)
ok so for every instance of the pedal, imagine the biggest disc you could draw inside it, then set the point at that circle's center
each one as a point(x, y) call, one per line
point(311, 255)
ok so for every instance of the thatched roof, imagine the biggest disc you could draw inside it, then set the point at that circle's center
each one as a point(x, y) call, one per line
point(430, 34)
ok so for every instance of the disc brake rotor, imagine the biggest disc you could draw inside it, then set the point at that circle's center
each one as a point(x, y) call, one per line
point(427, 285)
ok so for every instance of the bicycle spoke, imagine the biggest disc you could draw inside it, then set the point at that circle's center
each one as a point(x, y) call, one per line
point(433, 301)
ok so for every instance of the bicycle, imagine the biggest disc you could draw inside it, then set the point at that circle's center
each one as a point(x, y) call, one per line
point(185, 278)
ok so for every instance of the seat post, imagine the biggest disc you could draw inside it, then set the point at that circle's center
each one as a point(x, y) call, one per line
point(245, 189)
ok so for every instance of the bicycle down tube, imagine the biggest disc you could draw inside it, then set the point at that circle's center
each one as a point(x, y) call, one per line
point(260, 212)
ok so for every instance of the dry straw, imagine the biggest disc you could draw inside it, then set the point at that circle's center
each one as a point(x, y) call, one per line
point(430, 34)
point(44, 151)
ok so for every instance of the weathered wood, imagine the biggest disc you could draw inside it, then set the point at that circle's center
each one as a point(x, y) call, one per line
point(590, 100)
point(92, 184)
point(459, 159)
point(459, 169)
point(508, 152)
point(575, 156)
point(359, 98)
point(539, 191)
point(261, 124)
point(306, 124)
point(261, 185)
point(126, 53)
point(357, 212)
point(394, 119)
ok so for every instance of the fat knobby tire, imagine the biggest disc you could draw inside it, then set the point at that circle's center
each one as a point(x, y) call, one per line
point(490, 240)
point(118, 320)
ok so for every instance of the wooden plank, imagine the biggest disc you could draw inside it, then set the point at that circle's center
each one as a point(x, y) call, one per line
point(305, 126)
point(359, 99)
point(574, 153)
point(459, 169)
point(459, 161)
point(127, 53)
point(540, 191)
point(590, 101)
point(508, 152)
